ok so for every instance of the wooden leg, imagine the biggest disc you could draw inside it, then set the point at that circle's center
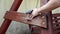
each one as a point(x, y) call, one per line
point(7, 22)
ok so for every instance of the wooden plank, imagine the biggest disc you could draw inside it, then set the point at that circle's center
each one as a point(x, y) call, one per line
point(56, 15)
point(57, 19)
point(43, 2)
point(22, 17)
point(7, 22)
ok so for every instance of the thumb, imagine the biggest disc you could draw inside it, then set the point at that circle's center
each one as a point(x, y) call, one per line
point(35, 12)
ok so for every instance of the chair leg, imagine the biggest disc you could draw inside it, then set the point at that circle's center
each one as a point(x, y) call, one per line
point(7, 22)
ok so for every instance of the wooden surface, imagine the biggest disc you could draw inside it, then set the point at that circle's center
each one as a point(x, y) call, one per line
point(56, 23)
point(24, 18)
point(7, 22)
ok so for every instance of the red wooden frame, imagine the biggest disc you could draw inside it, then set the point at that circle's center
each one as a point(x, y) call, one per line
point(7, 22)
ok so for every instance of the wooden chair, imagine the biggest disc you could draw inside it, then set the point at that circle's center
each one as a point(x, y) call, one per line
point(46, 23)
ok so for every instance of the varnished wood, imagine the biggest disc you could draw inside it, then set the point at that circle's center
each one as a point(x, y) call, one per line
point(47, 26)
point(56, 23)
point(22, 17)
point(43, 2)
point(56, 15)
point(7, 22)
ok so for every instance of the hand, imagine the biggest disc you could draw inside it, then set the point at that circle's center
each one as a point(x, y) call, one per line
point(32, 13)
point(35, 12)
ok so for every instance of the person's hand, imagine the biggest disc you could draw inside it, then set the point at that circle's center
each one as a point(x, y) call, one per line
point(35, 12)
point(32, 13)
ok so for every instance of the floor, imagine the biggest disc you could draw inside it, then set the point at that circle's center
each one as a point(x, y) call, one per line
point(17, 28)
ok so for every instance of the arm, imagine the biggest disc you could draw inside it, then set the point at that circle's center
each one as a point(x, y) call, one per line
point(52, 4)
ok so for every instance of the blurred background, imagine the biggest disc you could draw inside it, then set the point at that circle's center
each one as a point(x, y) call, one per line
point(16, 27)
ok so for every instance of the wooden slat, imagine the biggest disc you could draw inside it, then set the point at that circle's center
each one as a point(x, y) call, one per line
point(56, 32)
point(22, 17)
point(56, 27)
point(56, 23)
point(56, 15)
point(7, 22)
point(56, 19)
point(43, 31)
point(50, 23)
